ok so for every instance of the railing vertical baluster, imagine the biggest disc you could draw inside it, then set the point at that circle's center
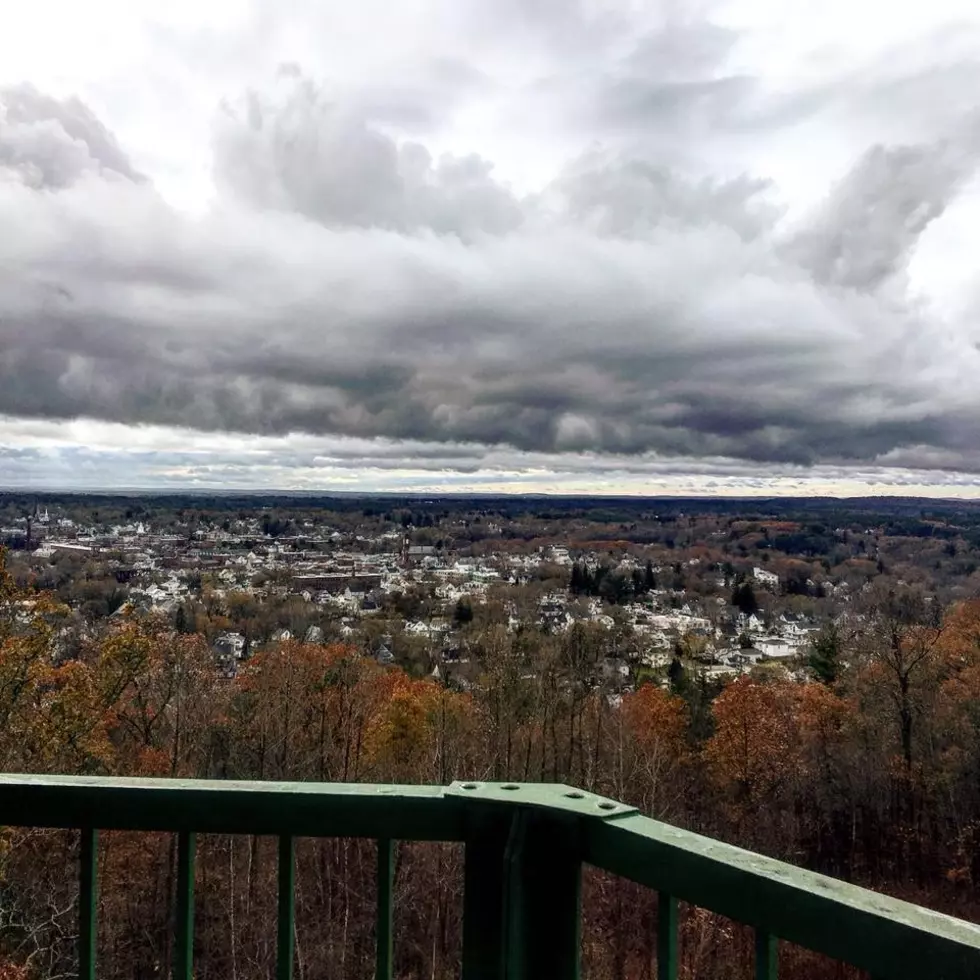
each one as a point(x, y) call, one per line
point(666, 937)
point(184, 933)
point(386, 884)
point(287, 907)
point(87, 903)
point(765, 955)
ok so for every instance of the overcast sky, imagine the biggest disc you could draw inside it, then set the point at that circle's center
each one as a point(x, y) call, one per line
point(669, 246)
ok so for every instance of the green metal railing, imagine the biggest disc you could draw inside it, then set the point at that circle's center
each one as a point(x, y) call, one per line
point(524, 849)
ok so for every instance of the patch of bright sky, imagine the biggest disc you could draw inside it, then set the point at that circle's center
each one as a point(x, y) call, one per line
point(87, 454)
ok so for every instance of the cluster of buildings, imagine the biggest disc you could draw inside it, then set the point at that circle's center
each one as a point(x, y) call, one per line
point(347, 579)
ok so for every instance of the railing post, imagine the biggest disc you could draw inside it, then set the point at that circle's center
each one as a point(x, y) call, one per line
point(766, 951)
point(522, 898)
point(88, 890)
point(483, 893)
point(516, 902)
point(545, 888)
point(386, 884)
point(287, 908)
point(184, 933)
point(666, 937)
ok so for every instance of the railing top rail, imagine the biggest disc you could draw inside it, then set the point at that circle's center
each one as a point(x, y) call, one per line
point(229, 806)
point(887, 936)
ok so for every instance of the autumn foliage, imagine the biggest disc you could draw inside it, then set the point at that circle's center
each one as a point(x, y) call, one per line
point(875, 778)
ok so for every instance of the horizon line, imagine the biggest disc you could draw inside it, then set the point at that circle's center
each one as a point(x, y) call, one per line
point(447, 494)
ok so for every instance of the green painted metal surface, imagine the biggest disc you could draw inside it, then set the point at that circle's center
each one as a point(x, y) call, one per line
point(546, 873)
point(484, 883)
point(542, 893)
point(87, 903)
point(885, 936)
point(521, 894)
point(525, 844)
point(554, 797)
point(385, 923)
point(286, 910)
point(183, 967)
point(515, 903)
point(230, 807)
point(766, 955)
point(666, 937)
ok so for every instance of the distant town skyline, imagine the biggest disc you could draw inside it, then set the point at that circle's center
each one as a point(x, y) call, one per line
point(595, 246)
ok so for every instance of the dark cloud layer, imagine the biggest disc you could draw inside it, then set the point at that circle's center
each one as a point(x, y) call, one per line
point(350, 283)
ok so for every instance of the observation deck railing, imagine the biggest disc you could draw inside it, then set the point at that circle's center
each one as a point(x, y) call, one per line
point(525, 845)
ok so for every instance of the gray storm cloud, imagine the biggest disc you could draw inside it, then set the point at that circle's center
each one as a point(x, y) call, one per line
point(350, 283)
point(866, 230)
point(303, 153)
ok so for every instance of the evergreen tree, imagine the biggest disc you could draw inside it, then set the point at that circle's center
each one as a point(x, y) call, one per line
point(463, 613)
point(743, 598)
point(824, 658)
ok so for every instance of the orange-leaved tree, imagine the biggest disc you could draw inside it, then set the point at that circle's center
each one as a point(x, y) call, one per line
point(753, 754)
point(164, 697)
point(650, 750)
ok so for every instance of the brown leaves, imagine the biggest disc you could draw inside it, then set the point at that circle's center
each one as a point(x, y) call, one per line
point(771, 735)
point(162, 693)
point(71, 726)
point(29, 680)
point(754, 747)
point(656, 720)
point(416, 724)
point(305, 711)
